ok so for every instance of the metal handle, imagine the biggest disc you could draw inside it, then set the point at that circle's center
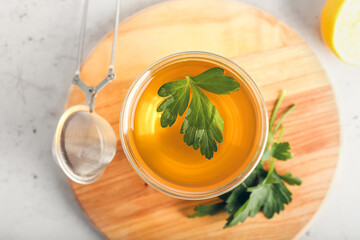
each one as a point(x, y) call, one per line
point(91, 91)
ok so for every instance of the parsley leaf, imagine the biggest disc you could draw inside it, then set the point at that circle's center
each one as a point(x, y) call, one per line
point(264, 190)
point(289, 179)
point(237, 198)
point(176, 103)
point(203, 124)
point(211, 209)
point(250, 207)
point(276, 196)
point(234, 199)
point(280, 151)
point(239, 195)
point(270, 195)
point(213, 81)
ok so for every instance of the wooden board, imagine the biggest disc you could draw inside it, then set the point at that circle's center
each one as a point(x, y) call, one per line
point(122, 206)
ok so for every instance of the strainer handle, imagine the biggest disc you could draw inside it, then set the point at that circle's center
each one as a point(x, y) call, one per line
point(91, 91)
point(111, 74)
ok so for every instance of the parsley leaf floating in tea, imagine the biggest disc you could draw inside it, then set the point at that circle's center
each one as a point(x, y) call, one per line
point(213, 81)
point(175, 104)
point(203, 125)
point(264, 190)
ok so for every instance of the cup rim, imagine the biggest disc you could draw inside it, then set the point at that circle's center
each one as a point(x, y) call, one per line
point(236, 181)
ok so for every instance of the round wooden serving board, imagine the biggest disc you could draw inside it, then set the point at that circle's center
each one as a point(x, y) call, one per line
point(122, 206)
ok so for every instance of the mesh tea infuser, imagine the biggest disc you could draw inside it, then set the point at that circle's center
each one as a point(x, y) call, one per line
point(84, 142)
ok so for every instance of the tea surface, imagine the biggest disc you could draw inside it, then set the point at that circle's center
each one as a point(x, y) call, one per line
point(163, 151)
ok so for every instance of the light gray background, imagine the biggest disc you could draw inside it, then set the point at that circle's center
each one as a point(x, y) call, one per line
point(37, 59)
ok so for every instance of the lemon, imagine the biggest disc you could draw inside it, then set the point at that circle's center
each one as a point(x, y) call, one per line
point(340, 28)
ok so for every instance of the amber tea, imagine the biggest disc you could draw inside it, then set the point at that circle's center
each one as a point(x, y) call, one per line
point(162, 153)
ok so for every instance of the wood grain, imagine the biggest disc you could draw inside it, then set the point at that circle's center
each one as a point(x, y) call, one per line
point(122, 206)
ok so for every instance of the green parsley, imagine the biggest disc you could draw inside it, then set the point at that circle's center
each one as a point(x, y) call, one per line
point(264, 190)
point(203, 124)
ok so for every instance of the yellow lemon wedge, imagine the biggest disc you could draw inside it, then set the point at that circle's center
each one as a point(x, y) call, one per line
point(340, 28)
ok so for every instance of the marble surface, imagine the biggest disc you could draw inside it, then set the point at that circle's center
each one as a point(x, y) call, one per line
point(37, 59)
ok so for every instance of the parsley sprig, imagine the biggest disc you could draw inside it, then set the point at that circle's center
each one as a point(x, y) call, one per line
point(203, 124)
point(264, 190)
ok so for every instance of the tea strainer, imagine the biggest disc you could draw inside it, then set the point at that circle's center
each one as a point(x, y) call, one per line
point(84, 142)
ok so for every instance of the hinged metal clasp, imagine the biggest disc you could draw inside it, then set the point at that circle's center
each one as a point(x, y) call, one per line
point(91, 91)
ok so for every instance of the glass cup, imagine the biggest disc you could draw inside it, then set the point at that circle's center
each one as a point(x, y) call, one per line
point(127, 117)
